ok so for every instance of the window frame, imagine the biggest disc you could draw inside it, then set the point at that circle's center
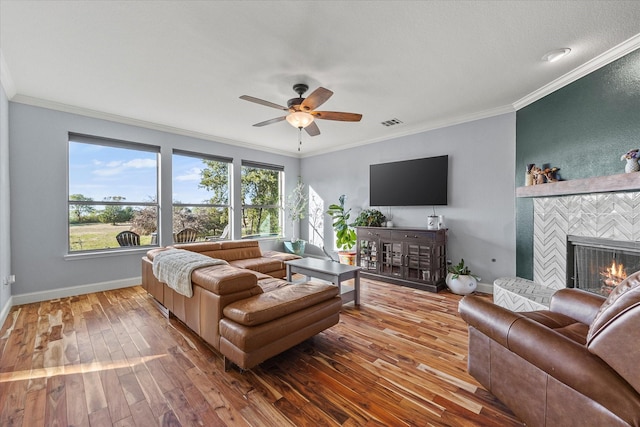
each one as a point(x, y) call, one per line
point(279, 206)
point(228, 205)
point(112, 143)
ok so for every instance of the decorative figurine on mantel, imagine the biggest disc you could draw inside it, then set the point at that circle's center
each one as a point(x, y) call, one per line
point(528, 177)
point(631, 157)
point(541, 176)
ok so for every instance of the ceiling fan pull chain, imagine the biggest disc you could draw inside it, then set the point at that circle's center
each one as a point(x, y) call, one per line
point(299, 137)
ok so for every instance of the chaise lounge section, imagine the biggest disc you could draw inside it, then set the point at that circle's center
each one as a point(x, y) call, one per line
point(244, 309)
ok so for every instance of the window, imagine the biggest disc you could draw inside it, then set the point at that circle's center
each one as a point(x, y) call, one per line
point(262, 208)
point(113, 188)
point(201, 208)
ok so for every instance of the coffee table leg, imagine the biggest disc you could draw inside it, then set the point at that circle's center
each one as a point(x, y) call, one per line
point(288, 273)
point(356, 288)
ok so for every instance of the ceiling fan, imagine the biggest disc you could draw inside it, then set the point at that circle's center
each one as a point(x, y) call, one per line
point(302, 111)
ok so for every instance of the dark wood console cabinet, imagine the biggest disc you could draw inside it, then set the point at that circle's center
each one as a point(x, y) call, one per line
point(411, 257)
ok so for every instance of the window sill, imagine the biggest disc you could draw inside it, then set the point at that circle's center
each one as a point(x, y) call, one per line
point(109, 253)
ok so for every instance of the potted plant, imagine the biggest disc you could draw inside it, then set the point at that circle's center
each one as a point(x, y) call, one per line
point(369, 218)
point(460, 280)
point(345, 234)
point(296, 210)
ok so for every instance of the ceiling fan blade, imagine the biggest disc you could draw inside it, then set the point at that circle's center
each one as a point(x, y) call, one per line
point(312, 129)
point(316, 99)
point(263, 102)
point(268, 122)
point(337, 115)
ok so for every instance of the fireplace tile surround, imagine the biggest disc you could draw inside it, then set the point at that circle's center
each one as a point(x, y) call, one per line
point(613, 215)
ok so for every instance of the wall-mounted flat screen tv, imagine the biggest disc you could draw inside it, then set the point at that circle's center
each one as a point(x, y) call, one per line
point(417, 182)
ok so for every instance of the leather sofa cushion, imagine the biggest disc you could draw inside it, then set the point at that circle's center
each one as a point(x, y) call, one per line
point(263, 265)
point(282, 256)
point(280, 302)
point(223, 279)
point(624, 297)
point(560, 323)
point(228, 251)
point(250, 339)
point(269, 283)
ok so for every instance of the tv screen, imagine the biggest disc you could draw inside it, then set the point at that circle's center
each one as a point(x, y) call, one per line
point(417, 182)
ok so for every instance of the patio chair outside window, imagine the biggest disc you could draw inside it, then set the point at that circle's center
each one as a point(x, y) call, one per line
point(128, 238)
point(223, 236)
point(186, 235)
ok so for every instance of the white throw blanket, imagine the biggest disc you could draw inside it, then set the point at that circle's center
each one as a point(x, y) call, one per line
point(174, 267)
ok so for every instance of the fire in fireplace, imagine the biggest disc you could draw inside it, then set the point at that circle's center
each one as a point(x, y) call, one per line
point(599, 265)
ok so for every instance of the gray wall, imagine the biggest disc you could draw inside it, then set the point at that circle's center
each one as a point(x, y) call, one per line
point(481, 210)
point(5, 244)
point(38, 153)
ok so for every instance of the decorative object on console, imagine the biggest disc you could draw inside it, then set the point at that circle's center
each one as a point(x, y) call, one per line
point(541, 176)
point(345, 234)
point(296, 209)
point(370, 218)
point(432, 222)
point(460, 280)
point(528, 177)
point(550, 174)
point(631, 157)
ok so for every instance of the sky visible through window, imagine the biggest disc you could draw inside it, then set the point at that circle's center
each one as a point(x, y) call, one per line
point(98, 171)
point(186, 180)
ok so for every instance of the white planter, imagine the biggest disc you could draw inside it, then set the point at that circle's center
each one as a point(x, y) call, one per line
point(463, 285)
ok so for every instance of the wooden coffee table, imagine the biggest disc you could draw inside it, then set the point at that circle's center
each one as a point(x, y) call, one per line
point(331, 271)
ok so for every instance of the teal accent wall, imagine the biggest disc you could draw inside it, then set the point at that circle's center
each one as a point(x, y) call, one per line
point(583, 129)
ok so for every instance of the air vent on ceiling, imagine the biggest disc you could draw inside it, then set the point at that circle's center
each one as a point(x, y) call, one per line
point(391, 122)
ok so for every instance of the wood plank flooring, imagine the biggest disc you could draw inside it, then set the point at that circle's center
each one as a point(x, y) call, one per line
point(112, 359)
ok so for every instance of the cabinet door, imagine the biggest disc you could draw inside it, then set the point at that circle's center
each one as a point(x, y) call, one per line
point(368, 254)
point(419, 262)
point(391, 258)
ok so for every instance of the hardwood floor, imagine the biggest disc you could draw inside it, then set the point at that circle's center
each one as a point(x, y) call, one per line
point(112, 359)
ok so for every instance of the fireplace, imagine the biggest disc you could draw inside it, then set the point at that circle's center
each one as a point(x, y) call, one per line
point(597, 265)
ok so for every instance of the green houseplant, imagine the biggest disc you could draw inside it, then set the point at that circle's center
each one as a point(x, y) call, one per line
point(345, 234)
point(369, 218)
point(460, 280)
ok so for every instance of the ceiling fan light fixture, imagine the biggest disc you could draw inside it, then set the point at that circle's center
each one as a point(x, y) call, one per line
point(300, 119)
point(556, 54)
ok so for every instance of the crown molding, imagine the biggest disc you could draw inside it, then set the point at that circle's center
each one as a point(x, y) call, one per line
point(419, 128)
point(65, 108)
point(5, 78)
point(588, 67)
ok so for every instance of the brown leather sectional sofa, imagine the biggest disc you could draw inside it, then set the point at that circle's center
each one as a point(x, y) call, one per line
point(577, 364)
point(245, 309)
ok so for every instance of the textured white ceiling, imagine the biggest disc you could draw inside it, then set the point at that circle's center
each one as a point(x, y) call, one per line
point(183, 64)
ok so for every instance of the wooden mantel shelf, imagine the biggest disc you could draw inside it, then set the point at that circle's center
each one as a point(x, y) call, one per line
point(599, 184)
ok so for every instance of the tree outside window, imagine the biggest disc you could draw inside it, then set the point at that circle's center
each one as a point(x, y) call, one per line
point(262, 200)
point(201, 195)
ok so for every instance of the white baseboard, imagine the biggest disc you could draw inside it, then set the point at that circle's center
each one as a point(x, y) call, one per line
point(485, 288)
point(74, 290)
point(4, 312)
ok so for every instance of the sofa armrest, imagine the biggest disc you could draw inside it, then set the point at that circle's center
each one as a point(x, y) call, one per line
point(574, 365)
point(490, 319)
point(577, 304)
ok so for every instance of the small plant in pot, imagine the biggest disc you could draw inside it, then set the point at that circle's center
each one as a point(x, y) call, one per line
point(345, 235)
point(296, 209)
point(460, 280)
point(369, 218)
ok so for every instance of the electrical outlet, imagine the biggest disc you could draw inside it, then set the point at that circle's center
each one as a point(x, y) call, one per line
point(11, 279)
